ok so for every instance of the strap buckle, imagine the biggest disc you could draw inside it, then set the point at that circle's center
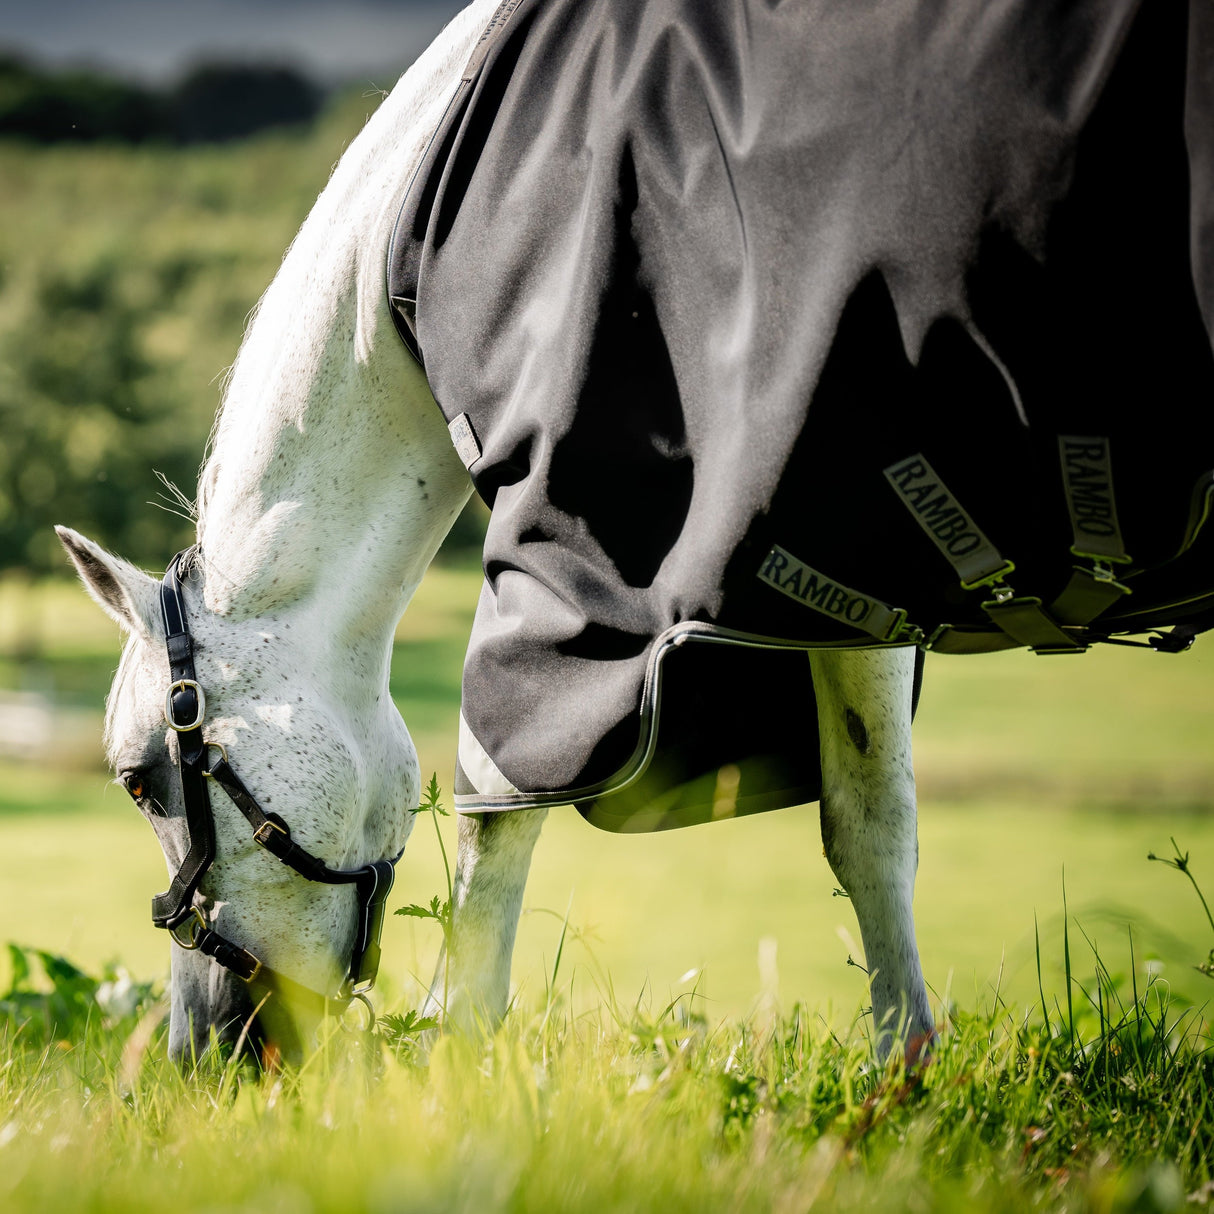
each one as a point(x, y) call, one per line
point(992, 580)
point(1102, 572)
point(905, 632)
point(262, 835)
point(199, 698)
point(901, 631)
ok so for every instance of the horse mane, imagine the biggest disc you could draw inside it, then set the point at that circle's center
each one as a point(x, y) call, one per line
point(420, 94)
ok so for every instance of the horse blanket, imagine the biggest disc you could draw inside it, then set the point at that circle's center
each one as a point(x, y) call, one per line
point(765, 327)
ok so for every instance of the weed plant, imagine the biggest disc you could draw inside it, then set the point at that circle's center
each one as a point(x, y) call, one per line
point(1097, 1098)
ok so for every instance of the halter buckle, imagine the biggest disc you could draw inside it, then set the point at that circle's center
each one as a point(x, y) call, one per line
point(262, 835)
point(193, 925)
point(200, 697)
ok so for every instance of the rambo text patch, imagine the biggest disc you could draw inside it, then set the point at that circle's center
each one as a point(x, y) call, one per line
point(958, 537)
point(1087, 474)
point(815, 590)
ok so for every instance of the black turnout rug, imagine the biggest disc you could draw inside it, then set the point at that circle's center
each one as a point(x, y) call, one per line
point(765, 327)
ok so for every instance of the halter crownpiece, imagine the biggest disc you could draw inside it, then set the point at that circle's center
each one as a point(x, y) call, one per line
point(200, 760)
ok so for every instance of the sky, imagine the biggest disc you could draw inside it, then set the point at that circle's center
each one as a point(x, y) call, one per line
point(153, 40)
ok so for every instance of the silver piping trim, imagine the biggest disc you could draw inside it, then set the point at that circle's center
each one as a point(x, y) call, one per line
point(651, 703)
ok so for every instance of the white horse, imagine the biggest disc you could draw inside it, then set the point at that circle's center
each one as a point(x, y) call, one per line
point(330, 485)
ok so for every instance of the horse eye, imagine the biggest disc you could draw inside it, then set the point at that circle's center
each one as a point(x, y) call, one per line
point(132, 781)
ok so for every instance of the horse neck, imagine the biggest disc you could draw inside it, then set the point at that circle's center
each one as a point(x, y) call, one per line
point(332, 479)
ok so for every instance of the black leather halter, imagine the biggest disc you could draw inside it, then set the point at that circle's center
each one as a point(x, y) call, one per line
point(185, 711)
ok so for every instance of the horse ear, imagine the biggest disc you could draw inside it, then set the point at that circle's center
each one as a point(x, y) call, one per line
point(126, 594)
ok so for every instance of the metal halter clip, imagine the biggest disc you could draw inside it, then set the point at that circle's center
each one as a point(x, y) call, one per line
point(367, 1014)
point(192, 927)
point(200, 696)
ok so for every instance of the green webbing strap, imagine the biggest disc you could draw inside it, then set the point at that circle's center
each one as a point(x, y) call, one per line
point(1087, 477)
point(952, 638)
point(977, 562)
point(815, 590)
point(1025, 620)
point(959, 539)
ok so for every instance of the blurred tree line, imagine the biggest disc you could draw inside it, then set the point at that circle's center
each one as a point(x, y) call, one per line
point(126, 275)
point(212, 102)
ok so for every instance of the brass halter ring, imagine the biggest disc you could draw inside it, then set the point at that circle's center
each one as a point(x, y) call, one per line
point(219, 746)
point(189, 931)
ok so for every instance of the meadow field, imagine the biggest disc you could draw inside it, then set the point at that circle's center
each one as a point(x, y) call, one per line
point(688, 1032)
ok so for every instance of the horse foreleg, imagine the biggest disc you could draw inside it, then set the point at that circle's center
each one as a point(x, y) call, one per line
point(868, 824)
point(472, 983)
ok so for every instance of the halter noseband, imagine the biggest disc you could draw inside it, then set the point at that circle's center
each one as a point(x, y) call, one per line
point(185, 711)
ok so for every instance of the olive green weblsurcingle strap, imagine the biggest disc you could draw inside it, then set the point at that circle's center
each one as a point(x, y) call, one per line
point(1088, 482)
point(960, 540)
point(815, 590)
point(977, 562)
point(1087, 477)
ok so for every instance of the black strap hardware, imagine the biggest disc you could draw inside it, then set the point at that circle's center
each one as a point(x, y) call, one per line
point(175, 910)
point(264, 833)
point(1087, 476)
point(814, 589)
point(979, 565)
point(1177, 640)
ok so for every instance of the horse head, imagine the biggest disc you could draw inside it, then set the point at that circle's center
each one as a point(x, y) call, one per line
point(333, 777)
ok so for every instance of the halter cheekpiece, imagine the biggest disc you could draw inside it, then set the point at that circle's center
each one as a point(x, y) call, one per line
point(200, 760)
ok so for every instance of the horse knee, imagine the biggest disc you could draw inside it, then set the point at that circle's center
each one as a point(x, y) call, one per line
point(870, 846)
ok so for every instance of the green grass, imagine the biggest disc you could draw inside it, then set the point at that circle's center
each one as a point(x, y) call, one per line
point(660, 1069)
point(649, 1106)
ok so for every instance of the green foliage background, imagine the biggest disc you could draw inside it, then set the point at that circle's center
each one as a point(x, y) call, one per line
point(126, 275)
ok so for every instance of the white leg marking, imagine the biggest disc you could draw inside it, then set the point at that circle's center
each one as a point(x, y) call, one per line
point(472, 985)
point(869, 824)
